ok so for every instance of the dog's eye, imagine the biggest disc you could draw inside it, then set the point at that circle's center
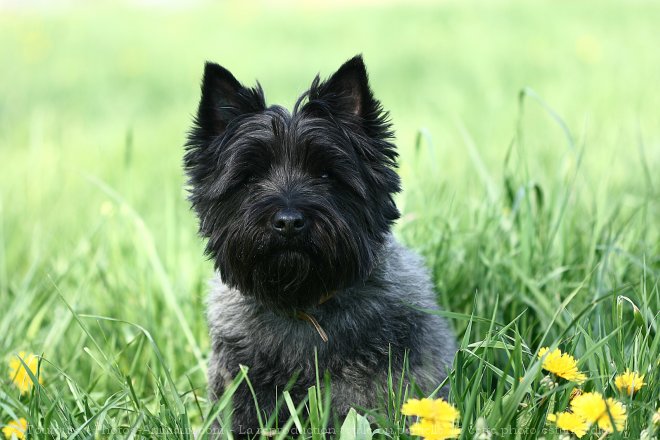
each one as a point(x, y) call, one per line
point(324, 175)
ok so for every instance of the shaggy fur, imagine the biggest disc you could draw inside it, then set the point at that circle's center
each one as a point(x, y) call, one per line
point(297, 208)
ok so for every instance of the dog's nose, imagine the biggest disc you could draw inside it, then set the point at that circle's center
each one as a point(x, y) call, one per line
point(288, 222)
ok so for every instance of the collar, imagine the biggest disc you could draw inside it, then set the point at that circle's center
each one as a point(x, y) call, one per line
point(304, 316)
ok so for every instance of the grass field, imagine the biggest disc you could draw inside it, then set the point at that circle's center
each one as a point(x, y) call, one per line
point(530, 149)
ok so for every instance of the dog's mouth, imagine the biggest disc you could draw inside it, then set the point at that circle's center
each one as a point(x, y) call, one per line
point(288, 251)
point(286, 260)
point(290, 261)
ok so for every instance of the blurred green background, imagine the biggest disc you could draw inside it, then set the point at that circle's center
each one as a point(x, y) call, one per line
point(96, 99)
point(108, 90)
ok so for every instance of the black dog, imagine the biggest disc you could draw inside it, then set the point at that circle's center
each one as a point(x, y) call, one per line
point(297, 209)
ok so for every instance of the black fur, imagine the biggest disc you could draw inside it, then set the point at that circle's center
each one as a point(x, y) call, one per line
point(331, 160)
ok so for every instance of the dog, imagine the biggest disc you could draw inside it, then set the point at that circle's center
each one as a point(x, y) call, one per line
point(297, 210)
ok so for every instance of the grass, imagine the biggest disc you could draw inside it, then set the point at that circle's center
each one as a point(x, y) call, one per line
point(529, 153)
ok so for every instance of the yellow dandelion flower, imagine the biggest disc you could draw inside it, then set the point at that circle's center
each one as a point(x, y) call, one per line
point(571, 422)
point(629, 382)
point(418, 407)
point(19, 375)
point(593, 408)
point(15, 429)
point(561, 364)
point(617, 410)
point(434, 430)
point(589, 406)
point(436, 409)
point(437, 418)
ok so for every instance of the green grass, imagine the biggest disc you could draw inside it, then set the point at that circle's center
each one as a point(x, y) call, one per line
point(529, 153)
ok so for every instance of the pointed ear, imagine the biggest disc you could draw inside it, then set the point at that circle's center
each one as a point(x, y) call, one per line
point(223, 99)
point(349, 86)
point(347, 95)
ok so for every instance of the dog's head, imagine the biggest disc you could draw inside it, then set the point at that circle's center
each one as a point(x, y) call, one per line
point(294, 205)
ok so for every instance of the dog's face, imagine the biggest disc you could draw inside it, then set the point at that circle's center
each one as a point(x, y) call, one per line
point(294, 205)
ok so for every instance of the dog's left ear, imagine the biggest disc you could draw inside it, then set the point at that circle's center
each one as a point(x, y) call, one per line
point(347, 96)
point(348, 87)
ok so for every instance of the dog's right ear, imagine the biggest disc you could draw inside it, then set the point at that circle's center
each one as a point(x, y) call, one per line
point(223, 99)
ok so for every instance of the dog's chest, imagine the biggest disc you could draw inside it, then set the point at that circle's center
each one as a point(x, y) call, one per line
point(362, 339)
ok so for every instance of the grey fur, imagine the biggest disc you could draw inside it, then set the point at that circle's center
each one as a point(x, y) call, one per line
point(330, 163)
point(363, 324)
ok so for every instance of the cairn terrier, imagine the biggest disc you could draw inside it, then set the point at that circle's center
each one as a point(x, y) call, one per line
point(297, 209)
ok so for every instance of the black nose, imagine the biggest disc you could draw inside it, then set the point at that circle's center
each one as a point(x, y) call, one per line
point(288, 222)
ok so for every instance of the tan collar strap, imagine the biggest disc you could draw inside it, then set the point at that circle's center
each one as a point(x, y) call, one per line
point(304, 316)
point(309, 318)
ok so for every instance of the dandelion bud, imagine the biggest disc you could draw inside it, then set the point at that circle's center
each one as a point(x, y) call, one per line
point(548, 382)
point(645, 435)
point(481, 430)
